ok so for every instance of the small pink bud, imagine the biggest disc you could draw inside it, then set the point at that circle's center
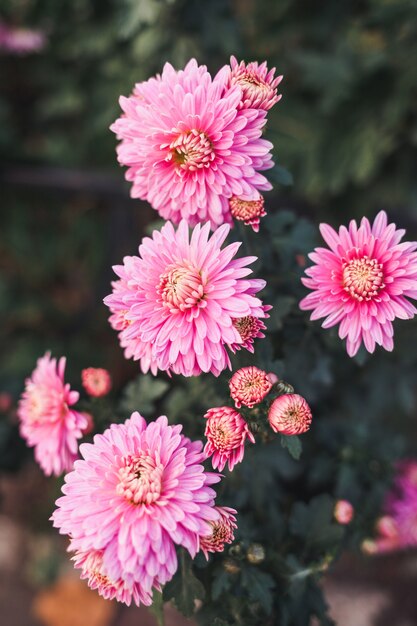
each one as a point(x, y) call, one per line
point(247, 211)
point(6, 401)
point(289, 415)
point(226, 433)
point(90, 423)
point(96, 381)
point(343, 512)
point(221, 531)
point(369, 546)
point(273, 378)
point(386, 527)
point(249, 386)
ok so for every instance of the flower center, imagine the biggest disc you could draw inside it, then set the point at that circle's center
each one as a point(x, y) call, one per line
point(191, 150)
point(140, 479)
point(181, 287)
point(363, 278)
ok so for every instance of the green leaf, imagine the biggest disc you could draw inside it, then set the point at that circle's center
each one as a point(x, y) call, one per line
point(293, 445)
point(184, 589)
point(220, 584)
point(157, 608)
point(142, 394)
point(259, 586)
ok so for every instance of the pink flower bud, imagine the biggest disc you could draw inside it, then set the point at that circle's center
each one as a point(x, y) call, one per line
point(96, 381)
point(249, 386)
point(273, 378)
point(247, 211)
point(226, 433)
point(221, 533)
point(343, 512)
point(289, 415)
point(90, 423)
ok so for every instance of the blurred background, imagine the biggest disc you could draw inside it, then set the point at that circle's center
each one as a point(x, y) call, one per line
point(345, 137)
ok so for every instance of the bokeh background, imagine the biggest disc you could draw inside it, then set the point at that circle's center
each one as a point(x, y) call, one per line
point(345, 137)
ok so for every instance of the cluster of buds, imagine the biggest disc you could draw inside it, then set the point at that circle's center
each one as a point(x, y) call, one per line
point(228, 428)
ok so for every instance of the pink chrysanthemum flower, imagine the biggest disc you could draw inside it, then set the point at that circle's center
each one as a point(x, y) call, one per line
point(249, 386)
point(344, 512)
point(139, 491)
point(226, 433)
point(189, 148)
point(247, 211)
point(249, 328)
point(289, 414)
point(363, 282)
point(401, 503)
point(46, 420)
point(177, 304)
point(222, 532)
point(96, 381)
point(259, 85)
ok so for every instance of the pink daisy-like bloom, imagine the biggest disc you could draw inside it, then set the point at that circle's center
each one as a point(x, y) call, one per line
point(289, 414)
point(343, 512)
point(362, 282)
point(139, 490)
point(96, 381)
point(226, 433)
point(249, 386)
point(222, 531)
point(247, 211)
point(46, 420)
point(259, 85)
point(177, 305)
point(189, 148)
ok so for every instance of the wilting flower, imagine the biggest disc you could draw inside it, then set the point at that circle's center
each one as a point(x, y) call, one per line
point(96, 381)
point(182, 299)
point(46, 420)
point(343, 512)
point(258, 84)
point(226, 433)
point(221, 531)
point(247, 211)
point(249, 386)
point(289, 415)
point(363, 282)
point(139, 491)
point(189, 148)
point(20, 41)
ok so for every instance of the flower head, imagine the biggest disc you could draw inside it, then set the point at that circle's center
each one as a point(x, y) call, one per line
point(226, 433)
point(343, 512)
point(21, 41)
point(177, 304)
point(249, 328)
point(96, 381)
point(363, 282)
point(188, 146)
point(221, 531)
point(46, 420)
point(247, 211)
point(249, 386)
point(289, 415)
point(258, 84)
point(139, 491)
